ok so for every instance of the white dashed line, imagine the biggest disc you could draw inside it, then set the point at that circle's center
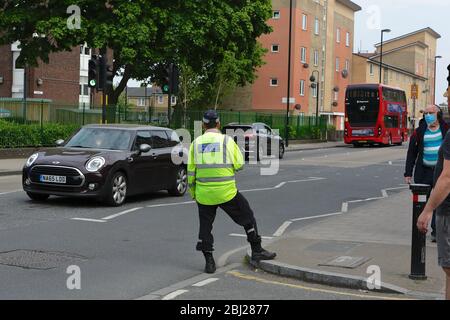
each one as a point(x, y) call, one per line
point(281, 229)
point(317, 217)
point(121, 213)
point(170, 204)
point(205, 282)
point(245, 236)
point(89, 220)
point(174, 294)
point(9, 192)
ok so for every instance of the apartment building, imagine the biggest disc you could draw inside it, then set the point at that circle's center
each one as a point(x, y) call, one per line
point(322, 45)
point(64, 80)
point(407, 60)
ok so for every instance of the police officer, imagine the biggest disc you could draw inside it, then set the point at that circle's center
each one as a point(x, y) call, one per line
point(213, 160)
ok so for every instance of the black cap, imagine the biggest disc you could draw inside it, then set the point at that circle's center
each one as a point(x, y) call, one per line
point(211, 116)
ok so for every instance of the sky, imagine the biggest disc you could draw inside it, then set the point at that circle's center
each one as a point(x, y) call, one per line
point(402, 17)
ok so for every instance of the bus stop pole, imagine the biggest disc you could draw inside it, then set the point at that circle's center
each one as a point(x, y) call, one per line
point(418, 245)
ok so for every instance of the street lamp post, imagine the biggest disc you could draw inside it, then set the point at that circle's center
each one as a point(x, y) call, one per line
point(381, 53)
point(316, 85)
point(434, 92)
point(289, 75)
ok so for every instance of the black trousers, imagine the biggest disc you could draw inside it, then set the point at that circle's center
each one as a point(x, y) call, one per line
point(238, 209)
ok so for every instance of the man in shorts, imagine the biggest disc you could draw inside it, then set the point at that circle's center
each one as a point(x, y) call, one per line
point(440, 200)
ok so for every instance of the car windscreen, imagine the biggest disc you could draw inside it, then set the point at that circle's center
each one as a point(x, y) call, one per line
point(362, 107)
point(100, 138)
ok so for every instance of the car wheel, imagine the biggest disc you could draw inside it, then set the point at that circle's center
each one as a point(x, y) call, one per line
point(181, 183)
point(117, 190)
point(281, 151)
point(37, 196)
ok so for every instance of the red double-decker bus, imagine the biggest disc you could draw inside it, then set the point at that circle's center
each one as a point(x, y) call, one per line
point(375, 114)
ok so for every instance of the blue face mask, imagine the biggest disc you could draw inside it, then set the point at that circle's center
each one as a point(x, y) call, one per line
point(430, 118)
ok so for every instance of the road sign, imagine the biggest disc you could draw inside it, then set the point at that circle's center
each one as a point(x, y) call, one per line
point(291, 100)
point(414, 91)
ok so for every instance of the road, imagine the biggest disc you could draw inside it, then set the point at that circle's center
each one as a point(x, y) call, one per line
point(146, 249)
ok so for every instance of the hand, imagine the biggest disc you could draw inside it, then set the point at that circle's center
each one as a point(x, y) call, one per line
point(408, 180)
point(424, 220)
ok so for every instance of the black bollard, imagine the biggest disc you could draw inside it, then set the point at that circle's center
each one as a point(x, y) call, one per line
point(418, 246)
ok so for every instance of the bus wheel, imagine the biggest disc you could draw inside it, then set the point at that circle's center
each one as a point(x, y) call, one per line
point(357, 145)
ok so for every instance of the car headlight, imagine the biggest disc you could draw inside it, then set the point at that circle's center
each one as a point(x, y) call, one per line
point(95, 164)
point(32, 159)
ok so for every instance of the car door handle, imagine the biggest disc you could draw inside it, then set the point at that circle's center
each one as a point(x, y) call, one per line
point(154, 155)
point(130, 159)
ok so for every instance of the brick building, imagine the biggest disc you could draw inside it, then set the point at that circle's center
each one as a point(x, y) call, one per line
point(63, 80)
point(322, 44)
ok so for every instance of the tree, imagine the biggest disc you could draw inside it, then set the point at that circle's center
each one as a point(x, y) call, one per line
point(143, 33)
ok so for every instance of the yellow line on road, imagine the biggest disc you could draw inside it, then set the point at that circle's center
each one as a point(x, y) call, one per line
point(253, 278)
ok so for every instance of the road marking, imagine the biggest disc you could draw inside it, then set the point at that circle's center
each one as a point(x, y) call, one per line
point(296, 286)
point(317, 217)
point(344, 207)
point(121, 213)
point(174, 294)
point(205, 282)
point(90, 220)
point(170, 204)
point(282, 228)
point(245, 236)
point(9, 192)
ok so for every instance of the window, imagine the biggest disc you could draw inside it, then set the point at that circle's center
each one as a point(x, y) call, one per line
point(173, 100)
point(160, 139)
point(275, 48)
point(141, 102)
point(316, 57)
point(371, 69)
point(86, 89)
point(302, 87)
point(316, 26)
point(276, 14)
point(347, 39)
point(336, 96)
point(160, 99)
point(303, 55)
point(314, 91)
point(304, 22)
point(338, 35)
point(337, 64)
point(347, 65)
point(174, 139)
point(87, 51)
point(274, 82)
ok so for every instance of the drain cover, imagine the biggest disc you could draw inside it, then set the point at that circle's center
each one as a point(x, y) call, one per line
point(345, 262)
point(41, 260)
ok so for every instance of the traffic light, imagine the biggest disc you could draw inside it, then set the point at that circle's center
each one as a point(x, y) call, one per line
point(174, 80)
point(109, 77)
point(93, 72)
point(166, 78)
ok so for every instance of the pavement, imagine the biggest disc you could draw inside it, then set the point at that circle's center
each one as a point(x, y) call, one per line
point(14, 166)
point(378, 232)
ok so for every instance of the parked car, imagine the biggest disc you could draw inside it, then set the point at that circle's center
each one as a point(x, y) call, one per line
point(255, 137)
point(109, 163)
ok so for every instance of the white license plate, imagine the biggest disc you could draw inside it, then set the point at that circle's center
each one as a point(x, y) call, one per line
point(53, 179)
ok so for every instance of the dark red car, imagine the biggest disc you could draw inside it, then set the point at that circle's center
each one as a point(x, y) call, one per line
point(108, 162)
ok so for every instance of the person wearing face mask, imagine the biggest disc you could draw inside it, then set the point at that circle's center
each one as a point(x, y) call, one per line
point(423, 151)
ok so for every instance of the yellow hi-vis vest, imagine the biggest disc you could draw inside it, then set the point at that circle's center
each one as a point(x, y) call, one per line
point(213, 160)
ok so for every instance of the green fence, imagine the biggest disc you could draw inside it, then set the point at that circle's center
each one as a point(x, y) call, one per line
point(40, 122)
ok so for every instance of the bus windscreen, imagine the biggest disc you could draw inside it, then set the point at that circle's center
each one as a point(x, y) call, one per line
point(363, 107)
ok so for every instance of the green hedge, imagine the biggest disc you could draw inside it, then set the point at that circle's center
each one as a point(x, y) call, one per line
point(15, 135)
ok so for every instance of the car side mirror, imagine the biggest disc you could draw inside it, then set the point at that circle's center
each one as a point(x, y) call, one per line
point(144, 148)
point(59, 142)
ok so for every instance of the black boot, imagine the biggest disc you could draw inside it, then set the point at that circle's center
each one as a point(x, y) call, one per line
point(210, 265)
point(258, 253)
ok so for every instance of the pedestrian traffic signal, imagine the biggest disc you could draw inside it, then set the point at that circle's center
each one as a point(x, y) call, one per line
point(448, 78)
point(93, 72)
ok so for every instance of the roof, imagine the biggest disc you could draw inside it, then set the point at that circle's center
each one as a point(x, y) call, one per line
point(140, 91)
point(131, 127)
point(429, 30)
point(350, 4)
point(372, 86)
